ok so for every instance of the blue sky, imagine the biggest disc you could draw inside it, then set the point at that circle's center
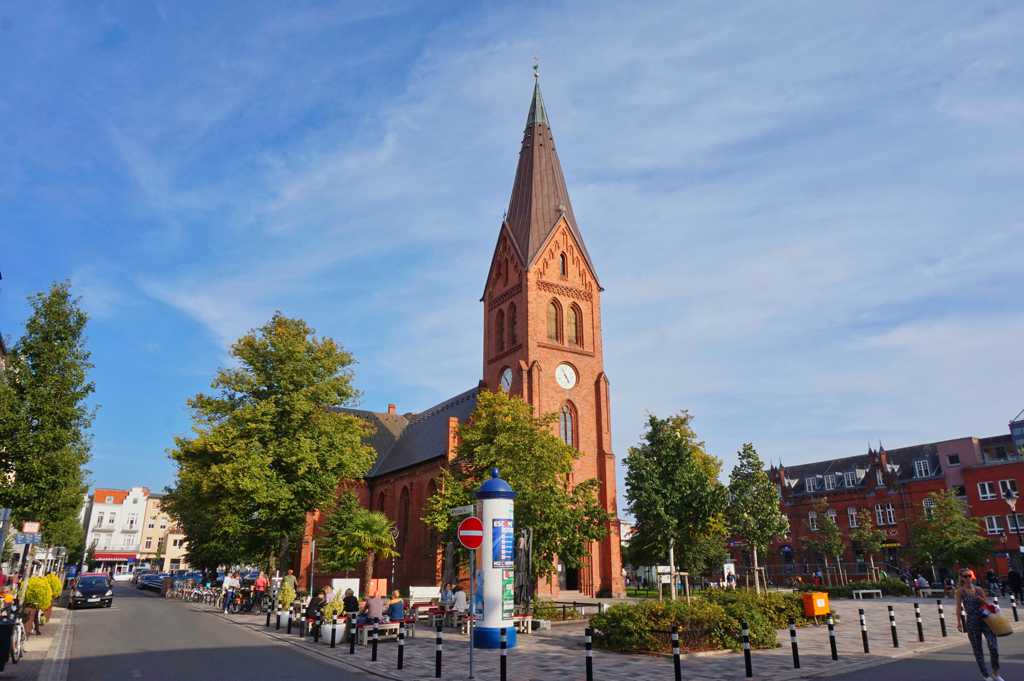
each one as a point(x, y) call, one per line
point(807, 216)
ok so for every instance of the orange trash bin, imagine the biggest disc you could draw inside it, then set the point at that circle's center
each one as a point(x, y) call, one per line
point(816, 604)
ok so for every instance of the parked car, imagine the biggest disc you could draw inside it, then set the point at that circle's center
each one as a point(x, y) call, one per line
point(139, 574)
point(92, 588)
point(153, 581)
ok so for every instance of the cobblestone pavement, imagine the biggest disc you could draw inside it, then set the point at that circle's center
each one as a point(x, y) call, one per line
point(560, 653)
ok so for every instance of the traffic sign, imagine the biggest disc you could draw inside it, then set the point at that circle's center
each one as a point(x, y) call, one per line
point(462, 510)
point(471, 532)
point(27, 538)
point(30, 526)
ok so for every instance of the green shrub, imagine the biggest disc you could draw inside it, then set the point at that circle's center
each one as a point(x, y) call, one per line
point(56, 586)
point(549, 610)
point(890, 586)
point(287, 596)
point(38, 593)
point(333, 608)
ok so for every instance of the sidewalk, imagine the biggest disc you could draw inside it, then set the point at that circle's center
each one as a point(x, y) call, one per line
point(39, 650)
point(560, 653)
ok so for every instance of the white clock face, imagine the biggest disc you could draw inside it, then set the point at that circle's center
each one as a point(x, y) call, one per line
point(506, 380)
point(565, 375)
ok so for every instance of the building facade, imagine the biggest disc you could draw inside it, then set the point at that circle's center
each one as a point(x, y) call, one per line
point(542, 342)
point(113, 528)
point(162, 546)
point(894, 485)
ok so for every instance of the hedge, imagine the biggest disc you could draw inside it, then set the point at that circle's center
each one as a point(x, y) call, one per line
point(888, 586)
point(38, 593)
point(56, 586)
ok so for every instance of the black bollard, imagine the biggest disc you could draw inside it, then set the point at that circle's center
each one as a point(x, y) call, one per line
point(588, 637)
point(277, 624)
point(316, 628)
point(832, 637)
point(334, 628)
point(892, 625)
point(920, 626)
point(373, 644)
point(942, 618)
point(1013, 606)
point(267, 625)
point(963, 620)
point(793, 643)
point(401, 644)
point(437, 652)
point(864, 631)
point(290, 619)
point(746, 651)
point(503, 669)
point(676, 662)
point(352, 627)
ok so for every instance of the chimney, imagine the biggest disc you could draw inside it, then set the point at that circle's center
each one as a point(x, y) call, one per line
point(392, 409)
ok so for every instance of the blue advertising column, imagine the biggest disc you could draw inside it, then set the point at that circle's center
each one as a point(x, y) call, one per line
point(497, 563)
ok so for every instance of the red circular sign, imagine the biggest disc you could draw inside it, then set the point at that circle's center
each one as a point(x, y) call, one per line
point(471, 532)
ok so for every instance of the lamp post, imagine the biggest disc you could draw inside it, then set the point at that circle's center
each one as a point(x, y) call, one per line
point(1011, 498)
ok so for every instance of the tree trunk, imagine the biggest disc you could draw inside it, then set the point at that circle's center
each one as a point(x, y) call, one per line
point(757, 577)
point(368, 573)
point(283, 553)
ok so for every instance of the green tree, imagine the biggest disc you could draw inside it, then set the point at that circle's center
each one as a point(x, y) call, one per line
point(868, 538)
point(269, 446)
point(826, 540)
point(674, 493)
point(353, 534)
point(755, 509)
point(948, 537)
point(44, 417)
point(503, 433)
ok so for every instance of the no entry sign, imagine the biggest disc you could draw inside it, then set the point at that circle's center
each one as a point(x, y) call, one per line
point(471, 532)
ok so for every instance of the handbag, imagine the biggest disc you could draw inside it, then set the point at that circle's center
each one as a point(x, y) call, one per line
point(999, 624)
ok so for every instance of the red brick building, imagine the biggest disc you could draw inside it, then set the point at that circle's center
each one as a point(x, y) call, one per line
point(542, 342)
point(894, 485)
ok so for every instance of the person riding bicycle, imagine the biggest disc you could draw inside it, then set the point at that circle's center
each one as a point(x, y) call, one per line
point(231, 584)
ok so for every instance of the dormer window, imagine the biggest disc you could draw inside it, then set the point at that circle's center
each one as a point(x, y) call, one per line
point(830, 482)
point(810, 484)
point(850, 479)
point(879, 478)
point(921, 469)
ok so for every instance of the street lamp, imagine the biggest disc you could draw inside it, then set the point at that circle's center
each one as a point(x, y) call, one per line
point(1011, 498)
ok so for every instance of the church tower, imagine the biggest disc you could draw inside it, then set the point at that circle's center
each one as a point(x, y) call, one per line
point(542, 332)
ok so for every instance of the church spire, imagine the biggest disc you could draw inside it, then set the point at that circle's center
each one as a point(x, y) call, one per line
point(540, 198)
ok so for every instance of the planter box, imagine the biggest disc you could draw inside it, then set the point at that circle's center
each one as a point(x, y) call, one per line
point(325, 633)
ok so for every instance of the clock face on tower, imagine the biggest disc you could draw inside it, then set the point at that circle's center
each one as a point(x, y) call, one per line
point(506, 380)
point(565, 375)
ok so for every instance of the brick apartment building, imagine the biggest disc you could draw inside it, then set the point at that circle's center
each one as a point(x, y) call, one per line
point(894, 486)
point(542, 341)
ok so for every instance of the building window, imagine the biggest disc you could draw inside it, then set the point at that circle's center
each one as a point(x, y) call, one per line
point(109, 500)
point(851, 516)
point(575, 330)
point(113, 517)
point(99, 518)
point(929, 508)
point(879, 515)
point(953, 459)
point(149, 542)
point(132, 519)
point(831, 514)
point(403, 518)
point(163, 523)
point(921, 469)
point(554, 321)
point(151, 525)
point(1013, 522)
point(830, 482)
point(850, 478)
point(879, 478)
point(1008, 488)
point(810, 484)
point(992, 524)
point(175, 543)
point(566, 424)
point(563, 266)
point(499, 331)
point(812, 521)
point(890, 514)
point(513, 331)
point(986, 491)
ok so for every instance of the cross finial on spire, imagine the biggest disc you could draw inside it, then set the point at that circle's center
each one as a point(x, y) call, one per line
point(536, 68)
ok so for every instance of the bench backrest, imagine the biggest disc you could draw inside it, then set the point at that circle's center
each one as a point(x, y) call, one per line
point(424, 593)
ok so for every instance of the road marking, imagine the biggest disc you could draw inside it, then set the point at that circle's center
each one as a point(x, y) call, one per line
point(55, 666)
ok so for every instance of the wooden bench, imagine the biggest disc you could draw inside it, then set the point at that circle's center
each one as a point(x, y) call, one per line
point(858, 594)
point(932, 592)
point(386, 631)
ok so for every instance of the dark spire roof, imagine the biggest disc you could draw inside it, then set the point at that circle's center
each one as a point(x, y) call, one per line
point(539, 195)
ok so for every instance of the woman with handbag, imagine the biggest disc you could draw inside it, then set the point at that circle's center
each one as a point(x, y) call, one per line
point(972, 601)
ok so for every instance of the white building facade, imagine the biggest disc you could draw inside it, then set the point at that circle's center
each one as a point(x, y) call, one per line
point(114, 521)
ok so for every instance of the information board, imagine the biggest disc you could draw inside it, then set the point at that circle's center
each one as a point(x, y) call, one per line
point(503, 543)
point(508, 594)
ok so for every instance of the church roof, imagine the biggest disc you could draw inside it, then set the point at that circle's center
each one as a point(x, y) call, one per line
point(404, 440)
point(539, 194)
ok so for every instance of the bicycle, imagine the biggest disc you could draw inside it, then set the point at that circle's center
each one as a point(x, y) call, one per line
point(18, 634)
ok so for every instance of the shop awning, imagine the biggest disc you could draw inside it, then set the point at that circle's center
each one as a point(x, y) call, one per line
point(114, 556)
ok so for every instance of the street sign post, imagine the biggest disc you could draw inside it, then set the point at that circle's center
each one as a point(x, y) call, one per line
point(462, 510)
point(471, 535)
point(30, 526)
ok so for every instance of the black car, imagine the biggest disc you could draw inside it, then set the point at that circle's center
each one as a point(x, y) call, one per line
point(91, 589)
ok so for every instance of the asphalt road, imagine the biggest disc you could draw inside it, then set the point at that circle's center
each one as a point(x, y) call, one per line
point(147, 637)
point(950, 664)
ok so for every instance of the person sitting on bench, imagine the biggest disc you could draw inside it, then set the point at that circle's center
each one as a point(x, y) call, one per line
point(396, 607)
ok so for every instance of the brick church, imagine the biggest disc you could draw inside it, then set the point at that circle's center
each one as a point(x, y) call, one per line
point(541, 342)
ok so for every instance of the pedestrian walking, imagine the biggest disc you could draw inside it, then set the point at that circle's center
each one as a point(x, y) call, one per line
point(973, 600)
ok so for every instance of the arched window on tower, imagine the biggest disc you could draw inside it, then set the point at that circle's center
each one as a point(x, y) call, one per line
point(403, 519)
point(563, 265)
point(554, 321)
point(513, 336)
point(567, 424)
point(499, 331)
point(574, 332)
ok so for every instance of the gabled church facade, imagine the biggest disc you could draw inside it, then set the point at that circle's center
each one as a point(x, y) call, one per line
point(542, 342)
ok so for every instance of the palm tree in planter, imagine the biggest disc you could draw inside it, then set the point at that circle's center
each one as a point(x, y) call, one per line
point(352, 534)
